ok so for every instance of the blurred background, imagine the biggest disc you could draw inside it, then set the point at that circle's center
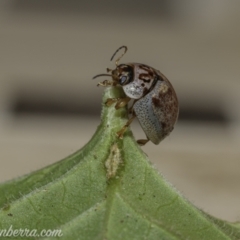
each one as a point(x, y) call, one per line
point(50, 107)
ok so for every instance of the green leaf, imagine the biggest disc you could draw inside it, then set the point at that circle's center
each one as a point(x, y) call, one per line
point(107, 190)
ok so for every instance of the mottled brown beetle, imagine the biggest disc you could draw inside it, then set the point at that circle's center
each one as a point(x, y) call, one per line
point(155, 101)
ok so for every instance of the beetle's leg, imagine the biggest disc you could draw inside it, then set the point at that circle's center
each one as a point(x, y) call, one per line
point(124, 128)
point(142, 142)
point(120, 102)
point(110, 101)
point(106, 83)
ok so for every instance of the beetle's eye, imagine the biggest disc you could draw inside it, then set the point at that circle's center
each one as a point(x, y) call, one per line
point(123, 80)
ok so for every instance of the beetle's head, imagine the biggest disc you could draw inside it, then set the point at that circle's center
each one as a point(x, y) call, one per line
point(122, 74)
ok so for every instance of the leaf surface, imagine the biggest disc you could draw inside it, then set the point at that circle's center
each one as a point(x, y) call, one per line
point(108, 190)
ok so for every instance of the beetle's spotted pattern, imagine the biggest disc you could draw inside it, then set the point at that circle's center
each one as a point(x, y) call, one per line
point(155, 101)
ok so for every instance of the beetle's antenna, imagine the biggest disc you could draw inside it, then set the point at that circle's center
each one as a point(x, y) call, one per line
point(100, 75)
point(116, 62)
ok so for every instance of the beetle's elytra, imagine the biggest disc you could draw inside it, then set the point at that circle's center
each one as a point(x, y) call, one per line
point(155, 101)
